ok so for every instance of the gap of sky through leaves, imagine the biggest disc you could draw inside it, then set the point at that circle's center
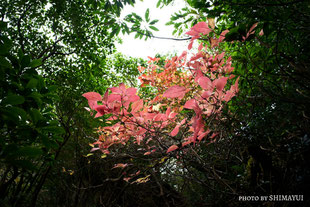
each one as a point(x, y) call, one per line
point(141, 48)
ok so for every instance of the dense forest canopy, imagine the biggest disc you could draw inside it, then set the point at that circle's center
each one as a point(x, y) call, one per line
point(227, 118)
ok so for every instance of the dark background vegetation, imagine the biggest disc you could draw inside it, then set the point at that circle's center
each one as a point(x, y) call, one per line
point(50, 56)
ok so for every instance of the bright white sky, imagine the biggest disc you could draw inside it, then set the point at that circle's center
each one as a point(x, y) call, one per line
point(141, 48)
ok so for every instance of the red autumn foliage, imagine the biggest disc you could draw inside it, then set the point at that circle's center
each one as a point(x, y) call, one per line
point(188, 94)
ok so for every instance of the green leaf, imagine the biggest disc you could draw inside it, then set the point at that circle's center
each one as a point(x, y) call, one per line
point(4, 62)
point(137, 35)
point(25, 61)
point(14, 114)
point(41, 83)
point(28, 151)
point(35, 63)
point(52, 88)
point(59, 138)
point(154, 28)
point(169, 23)
point(32, 83)
point(154, 21)
point(13, 99)
point(126, 29)
point(26, 164)
point(45, 141)
point(158, 3)
point(5, 46)
point(147, 15)
point(35, 115)
point(53, 144)
point(37, 97)
point(137, 17)
point(54, 129)
point(48, 143)
point(20, 53)
point(115, 31)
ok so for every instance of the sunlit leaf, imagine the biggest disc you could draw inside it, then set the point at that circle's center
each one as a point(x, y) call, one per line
point(154, 28)
point(172, 148)
point(147, 15)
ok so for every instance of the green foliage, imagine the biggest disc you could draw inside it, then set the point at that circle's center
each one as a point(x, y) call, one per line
point(133, 23)
point(162, 3)
point(27, 129)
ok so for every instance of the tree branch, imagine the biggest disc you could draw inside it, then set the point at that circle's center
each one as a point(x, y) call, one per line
point(100, 185)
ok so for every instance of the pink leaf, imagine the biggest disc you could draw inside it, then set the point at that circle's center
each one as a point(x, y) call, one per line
point(235, 86)
point(190, 45)
point(175, 131)
point(126, 179)
point(160, 117)
point(222, 35)
point(250, 31)
point(94, 149)
point(261, 33)
point(200, 137)
point(122, 87)
point(172, 115)
point(116, 90)
point(137, 106)
point(133, 98)
point(220, 56)
point(120, 165)
point(253, 27)
point(201, 27)
point(229, 94)
point(175, 92)
point(139, 139)
point(190, 104)
point(92, 96)
point(168, 111)
point(183, 55)
point(106, 95)
point(220, 83)
point(131, 91)
point(104, 151)
point(199, 74)
point(183, 121)
point(147, 153)
point(92, 104)
point(114, 97)
point(206, 94)
point(101, 109)
point(191, 33)
point(141, 131)
point(186, 143)
point(172, 148)
point(213, 135)
point(205, 82)
point(197, 56)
